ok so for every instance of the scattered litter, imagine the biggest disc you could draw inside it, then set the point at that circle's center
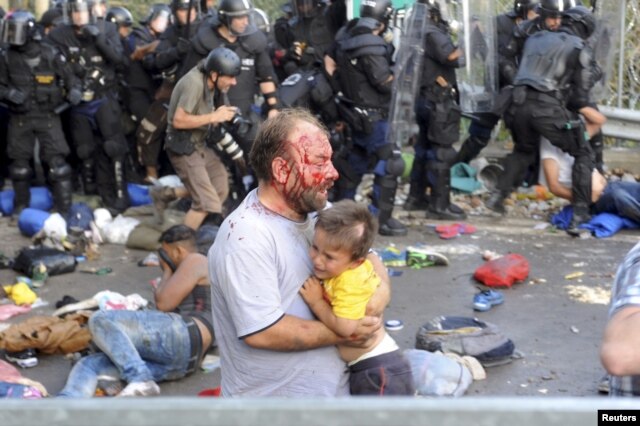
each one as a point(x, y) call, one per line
point(575, 329)
point(523, 385)
point(579, 265)
point(97, 271)
point(11, 310)
point(574, 275)
point(155, 282)
point(392, 256)
point(394, 272)
point(150, 260)
point(490, 255)
point(537, 281)
point(419, 257)
point(543, 391)
point(81, 259)
point(446, 232)
point(394, 325)
point(541, 226)
point(210, 363)
point(591, 295)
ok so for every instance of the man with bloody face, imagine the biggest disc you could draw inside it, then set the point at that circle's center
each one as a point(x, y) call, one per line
point(270, 343)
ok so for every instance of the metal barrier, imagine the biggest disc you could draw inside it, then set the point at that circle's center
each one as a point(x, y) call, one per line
point(526, 411)
point(621, 123)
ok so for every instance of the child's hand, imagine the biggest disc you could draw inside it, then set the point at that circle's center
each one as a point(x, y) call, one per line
point(311, 290)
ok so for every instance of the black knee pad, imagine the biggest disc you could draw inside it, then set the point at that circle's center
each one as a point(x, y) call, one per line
point(20, 171)
point(59, 170)
point(114, 148)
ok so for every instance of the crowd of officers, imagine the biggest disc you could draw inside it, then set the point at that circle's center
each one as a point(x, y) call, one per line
point(109, 101)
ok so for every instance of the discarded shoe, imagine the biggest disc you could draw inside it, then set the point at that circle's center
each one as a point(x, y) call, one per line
point(148, 388)
point(446, 232)
point(486, 299)
point(150, 260)
point(418, 257)
point(109, 386)
point(25, 359)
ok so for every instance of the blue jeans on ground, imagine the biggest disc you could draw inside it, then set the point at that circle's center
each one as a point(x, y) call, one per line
point(137, 346)
point(620, 198)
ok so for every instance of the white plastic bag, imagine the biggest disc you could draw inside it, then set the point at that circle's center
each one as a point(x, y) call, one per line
point(436, 375)
point(55, 227)
point(118, 230)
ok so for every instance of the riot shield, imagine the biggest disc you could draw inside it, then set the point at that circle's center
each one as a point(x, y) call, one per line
point(478, 77)
point(605, 42)
point(406, 81)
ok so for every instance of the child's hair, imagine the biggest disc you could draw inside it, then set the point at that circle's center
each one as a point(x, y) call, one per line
point(349, 225)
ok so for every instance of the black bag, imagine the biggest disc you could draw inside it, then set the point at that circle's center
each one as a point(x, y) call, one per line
point(466, 336)
point(179, 142)
point(57, 262)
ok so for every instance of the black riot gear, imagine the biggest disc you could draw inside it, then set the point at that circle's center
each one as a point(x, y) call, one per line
point(380, 10)
point(551, 8)
point(120, 16)
point(156, 11)
point(522, 7)
point(19, 28)
point(580, 20)
point(222, 61)
point(78, 12)
point(228, 9)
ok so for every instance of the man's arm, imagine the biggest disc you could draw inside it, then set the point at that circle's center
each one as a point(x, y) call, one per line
point(175, 286)
point(184, 121)
point(619, 353)
point(293, 334)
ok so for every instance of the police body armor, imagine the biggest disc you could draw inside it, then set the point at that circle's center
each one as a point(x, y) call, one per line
point(353, 80)
point(86, 61)
point(41, 85)
point(433, 69)
point(318, 35)
point(546, 60)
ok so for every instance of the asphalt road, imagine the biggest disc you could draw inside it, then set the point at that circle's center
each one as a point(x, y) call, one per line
point(557, 331)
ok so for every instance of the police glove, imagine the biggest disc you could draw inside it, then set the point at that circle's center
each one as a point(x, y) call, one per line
point(91, 31)
point(74, 96)
point(15, 96)
point(183, 46)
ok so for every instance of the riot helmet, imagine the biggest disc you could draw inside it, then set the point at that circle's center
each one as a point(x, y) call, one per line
point(18, 28)
point(522, 7)
point(99, 9)
point(568, 4)
point(551, 8)
point(120, 16)
point(184, 5)
point(580, 20)
point(78, 12)
point(236, 15)
point(380, 10)
point(306, 8)
point(157, 18)
point(222, 61)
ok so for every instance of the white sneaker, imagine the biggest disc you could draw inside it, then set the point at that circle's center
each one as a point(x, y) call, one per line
point(148, 388)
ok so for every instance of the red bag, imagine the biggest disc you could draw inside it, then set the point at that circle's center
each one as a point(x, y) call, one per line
point(504, 271)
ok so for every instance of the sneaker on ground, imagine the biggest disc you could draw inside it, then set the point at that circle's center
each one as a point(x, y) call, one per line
point(148, 388)
point(418, 257)
point(486, 299)
point(109, 385)
point(25, 359)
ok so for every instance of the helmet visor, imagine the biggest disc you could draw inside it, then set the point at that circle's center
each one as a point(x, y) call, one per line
point(305, 8)
point(160, 21)
point(241, 23)
point(78, 13)
point(15, 33)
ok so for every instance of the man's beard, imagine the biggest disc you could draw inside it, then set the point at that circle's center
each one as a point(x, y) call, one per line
point(306, 202)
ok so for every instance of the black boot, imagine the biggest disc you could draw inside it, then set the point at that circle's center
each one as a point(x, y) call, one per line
point(580, 215)
point(495, 202)
point(60, 174)
point(470, 149)
point(121, 202)
point(388, 226)
point(89, 177)
point(440, 206)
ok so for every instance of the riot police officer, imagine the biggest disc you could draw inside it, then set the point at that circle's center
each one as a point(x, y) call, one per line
point(34, 81)
point(363, 60)
point(556, 67)
point(483, 123)
point(310, 33)
point(93, 49)
point(198, 120)
point(438, 117)
point(232, 28)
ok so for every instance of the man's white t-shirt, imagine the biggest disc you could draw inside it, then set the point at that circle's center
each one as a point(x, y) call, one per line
point(564, 160)
point(257, 264)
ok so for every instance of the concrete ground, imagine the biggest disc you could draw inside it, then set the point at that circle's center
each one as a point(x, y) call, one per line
point(555, 322)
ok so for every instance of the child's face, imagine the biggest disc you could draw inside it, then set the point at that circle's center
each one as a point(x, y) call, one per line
point(329, 262)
